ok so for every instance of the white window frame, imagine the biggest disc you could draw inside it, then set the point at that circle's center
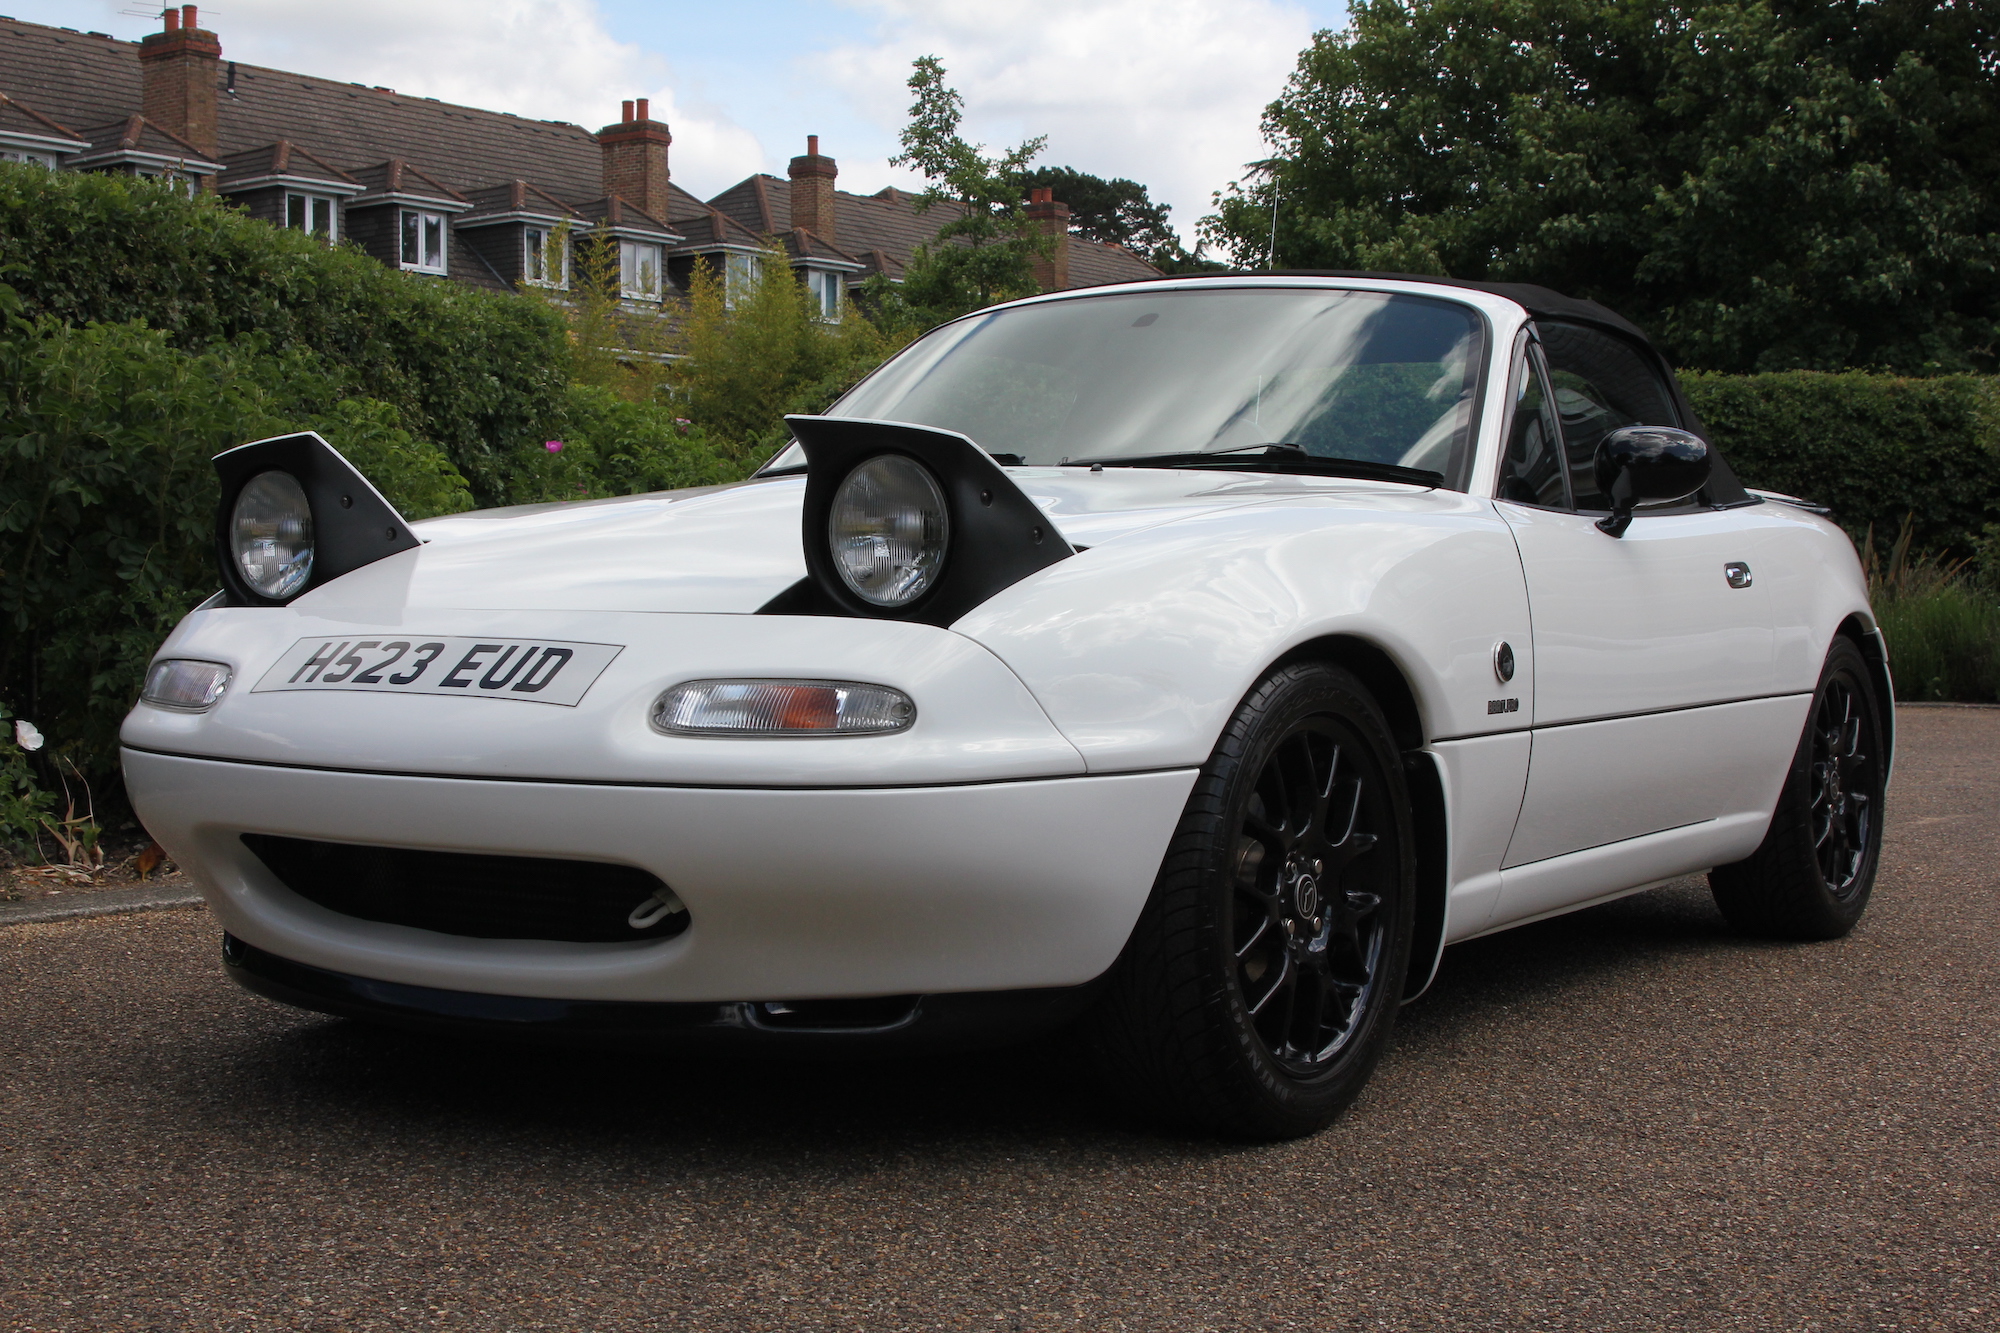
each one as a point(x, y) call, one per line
point(177, 181)
point(740, 275)
point(535, 243)
point(32, 158)
point(310, 203)
point(425, 261)
point(634, 259)
point(827, 288)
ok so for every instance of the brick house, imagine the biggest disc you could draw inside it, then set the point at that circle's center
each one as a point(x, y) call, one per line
point(456, 193)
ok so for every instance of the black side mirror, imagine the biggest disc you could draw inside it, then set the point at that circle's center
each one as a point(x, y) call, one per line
point(1641, 464)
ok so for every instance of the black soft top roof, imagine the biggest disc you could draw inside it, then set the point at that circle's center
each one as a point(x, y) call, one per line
point(1540, 303)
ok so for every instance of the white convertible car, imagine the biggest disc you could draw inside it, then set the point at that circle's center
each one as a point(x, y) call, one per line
point(1189, 661)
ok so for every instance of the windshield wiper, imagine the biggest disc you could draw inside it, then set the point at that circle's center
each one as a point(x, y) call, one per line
point(1287, 457)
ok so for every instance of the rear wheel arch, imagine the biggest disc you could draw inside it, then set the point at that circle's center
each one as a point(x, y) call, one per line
point(1391, 688)
point(1874, 650)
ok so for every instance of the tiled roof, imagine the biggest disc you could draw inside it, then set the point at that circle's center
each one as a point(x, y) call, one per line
point(78, 79)
point(72, 78)
point(283, 158)
point(519, 197)
point(136, 134)
point(802, 244)
point(613, 211)
point(19, 118)
point(888, 224)
point(397, 176)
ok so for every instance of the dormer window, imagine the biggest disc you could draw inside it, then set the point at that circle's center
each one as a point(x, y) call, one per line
point(314, 214)
point(172, 180)
point(539, 262)
point(33, 159)
point(740, 278)
point(639, 270)
point(423, 241)
point(825, 288)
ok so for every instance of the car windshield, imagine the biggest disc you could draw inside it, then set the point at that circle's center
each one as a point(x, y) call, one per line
point(1371, 377)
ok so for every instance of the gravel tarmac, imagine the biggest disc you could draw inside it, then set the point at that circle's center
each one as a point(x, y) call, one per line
point(1622, 1119)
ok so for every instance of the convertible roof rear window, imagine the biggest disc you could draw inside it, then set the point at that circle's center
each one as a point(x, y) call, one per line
point(1375, 377)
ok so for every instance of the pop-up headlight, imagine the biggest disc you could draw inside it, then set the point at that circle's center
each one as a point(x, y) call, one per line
point(889, 530)
point(782, 708)
point(271, 535)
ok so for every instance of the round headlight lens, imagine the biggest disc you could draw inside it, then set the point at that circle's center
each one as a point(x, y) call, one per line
point(272, 535)
point(889, 530)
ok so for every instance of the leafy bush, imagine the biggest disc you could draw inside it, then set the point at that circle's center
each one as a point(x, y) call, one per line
point(745, 368)
point(107, 498)
point(477, 373)
point(1874, 448)
point(613, 446)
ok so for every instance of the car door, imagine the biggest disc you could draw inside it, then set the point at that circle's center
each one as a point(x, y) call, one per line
point(1653, 651)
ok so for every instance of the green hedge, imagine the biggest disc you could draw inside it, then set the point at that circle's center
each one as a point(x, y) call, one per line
point(142, 332)
point(481, 374)
point(1874, 448)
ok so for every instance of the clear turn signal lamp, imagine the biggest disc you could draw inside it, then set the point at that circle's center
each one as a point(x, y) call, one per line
point(185, 685)
point(782, 708)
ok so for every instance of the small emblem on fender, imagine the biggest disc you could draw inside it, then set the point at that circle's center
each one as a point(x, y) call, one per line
point(1503, 705)
point(1737, 573)
point(1503, 661)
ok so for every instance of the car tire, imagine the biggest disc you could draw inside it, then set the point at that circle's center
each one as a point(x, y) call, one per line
point(1262, 981)
point(1811, 877)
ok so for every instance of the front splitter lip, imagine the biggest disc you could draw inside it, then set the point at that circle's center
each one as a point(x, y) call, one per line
point(888, 1026)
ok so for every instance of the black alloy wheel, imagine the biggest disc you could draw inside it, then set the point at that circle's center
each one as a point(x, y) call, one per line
point(1812, 875)
point(1262, 981)
point(1844, 783)
point(1307, 927)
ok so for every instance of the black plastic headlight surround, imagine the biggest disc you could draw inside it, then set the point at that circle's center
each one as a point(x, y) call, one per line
point(904, 522)
point(294, 515)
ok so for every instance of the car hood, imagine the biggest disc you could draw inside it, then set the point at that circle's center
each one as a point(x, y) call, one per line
point(734, 548)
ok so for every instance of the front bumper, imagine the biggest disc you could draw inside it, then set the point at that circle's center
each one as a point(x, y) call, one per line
point(793, 893)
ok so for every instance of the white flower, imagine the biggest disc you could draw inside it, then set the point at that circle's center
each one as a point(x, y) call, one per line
point(25, 734)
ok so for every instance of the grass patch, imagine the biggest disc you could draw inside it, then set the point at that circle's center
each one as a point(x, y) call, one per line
point(1941, 619)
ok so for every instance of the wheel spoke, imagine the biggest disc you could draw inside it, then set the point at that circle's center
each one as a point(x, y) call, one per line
point(1264, 928)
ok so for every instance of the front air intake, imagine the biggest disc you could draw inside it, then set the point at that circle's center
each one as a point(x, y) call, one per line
point(484, 897)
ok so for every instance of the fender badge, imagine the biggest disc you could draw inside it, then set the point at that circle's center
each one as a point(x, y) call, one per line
point(1503, 705)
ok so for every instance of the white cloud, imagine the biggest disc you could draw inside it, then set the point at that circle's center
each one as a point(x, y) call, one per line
point(1166, 92)
point(550, 59)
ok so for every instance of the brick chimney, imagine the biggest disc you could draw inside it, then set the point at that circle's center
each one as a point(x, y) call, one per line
point(177, 69)
point(1051, 218)
point(635, 159)
point(812, 192)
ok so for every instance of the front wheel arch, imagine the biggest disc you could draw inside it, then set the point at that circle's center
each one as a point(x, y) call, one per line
point(1398, 701)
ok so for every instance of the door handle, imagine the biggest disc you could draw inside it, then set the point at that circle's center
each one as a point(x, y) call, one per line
point(1737, 573)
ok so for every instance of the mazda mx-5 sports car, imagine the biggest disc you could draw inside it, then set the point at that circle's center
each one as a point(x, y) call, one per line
point(1183, 664)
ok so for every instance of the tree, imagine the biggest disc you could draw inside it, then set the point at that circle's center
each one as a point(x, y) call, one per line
point(1763, 184)
point(1119, 212)
point(985, 252)
point(743, 366)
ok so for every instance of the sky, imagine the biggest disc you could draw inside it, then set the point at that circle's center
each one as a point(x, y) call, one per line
point(1166, 92)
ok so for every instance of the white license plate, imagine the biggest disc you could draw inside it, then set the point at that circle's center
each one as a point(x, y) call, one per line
point(538, 671)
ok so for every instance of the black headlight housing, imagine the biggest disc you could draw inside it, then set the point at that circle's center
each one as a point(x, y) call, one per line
point(352, 525)
point(997, 536)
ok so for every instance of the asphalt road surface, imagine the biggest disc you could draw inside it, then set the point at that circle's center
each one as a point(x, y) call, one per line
point(1624, 1119)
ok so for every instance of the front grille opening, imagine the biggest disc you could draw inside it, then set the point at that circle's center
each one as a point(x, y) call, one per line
point(483, 897)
